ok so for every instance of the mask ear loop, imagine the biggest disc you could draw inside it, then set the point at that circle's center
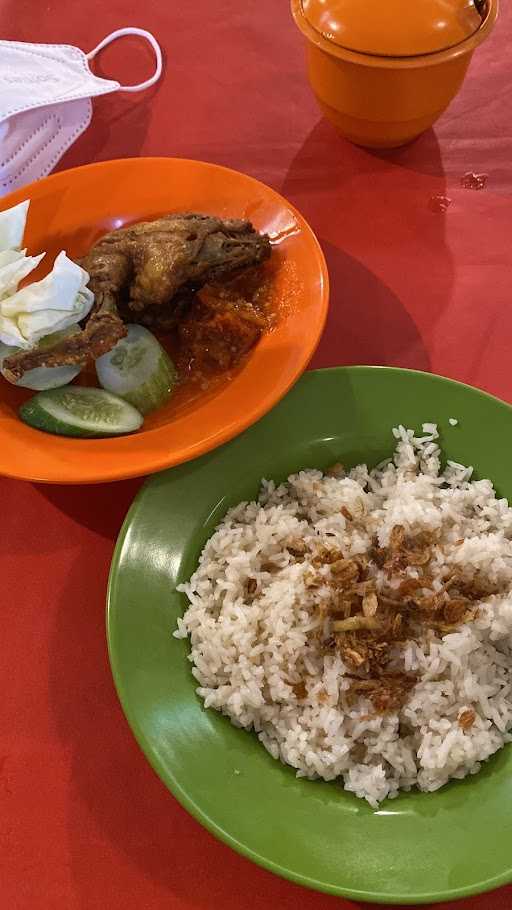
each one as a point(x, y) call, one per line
point(120, 33)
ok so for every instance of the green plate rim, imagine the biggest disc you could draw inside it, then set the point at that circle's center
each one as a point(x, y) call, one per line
point(173, 784)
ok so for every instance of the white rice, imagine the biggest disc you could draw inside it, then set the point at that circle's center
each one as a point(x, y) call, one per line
point(248, 652)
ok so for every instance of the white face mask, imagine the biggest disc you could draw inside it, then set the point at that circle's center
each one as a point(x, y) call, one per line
point(45, 92)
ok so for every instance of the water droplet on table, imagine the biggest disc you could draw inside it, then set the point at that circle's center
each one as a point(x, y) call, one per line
point(472, 181)
point(439, 203)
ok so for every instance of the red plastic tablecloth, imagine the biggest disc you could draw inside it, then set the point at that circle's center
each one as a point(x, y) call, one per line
point(84, 822)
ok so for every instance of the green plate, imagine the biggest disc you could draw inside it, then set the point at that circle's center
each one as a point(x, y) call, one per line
point(417, 848)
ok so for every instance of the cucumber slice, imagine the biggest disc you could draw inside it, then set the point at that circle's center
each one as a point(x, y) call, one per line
point(80, 411)
point(42, 378)
point(138, 370)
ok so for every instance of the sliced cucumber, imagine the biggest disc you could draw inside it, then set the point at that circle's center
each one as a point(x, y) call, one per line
point(138, 370)
point(80, 411)
point(42, 378)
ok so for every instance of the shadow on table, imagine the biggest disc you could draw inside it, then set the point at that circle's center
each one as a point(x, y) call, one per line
point(99, 507)
point(326, 160)
point(119, 124)
point(366, 322)
point(379, 218)
point(423, 155)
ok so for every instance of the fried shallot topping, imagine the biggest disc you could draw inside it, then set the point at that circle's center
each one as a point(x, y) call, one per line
point(296, 547)
point(467, 719)
point(379, 602)
point(252, 584)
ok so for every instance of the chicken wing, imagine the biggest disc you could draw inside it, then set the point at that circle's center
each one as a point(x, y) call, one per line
point(102, 331)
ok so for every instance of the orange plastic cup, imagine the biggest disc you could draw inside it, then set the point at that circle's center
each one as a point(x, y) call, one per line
point(383, 101)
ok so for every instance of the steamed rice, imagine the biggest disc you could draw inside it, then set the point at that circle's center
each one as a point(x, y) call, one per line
point(249, 654)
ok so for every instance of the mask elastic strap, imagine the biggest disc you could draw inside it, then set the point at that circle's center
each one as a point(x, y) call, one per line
point(119, 33)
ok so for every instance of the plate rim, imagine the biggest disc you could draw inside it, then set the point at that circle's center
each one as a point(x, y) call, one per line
point(169, 779)
point(161, 459)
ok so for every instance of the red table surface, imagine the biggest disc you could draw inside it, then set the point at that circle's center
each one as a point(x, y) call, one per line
point(84, 821)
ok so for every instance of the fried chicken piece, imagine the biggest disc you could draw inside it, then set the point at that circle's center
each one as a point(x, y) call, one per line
point(177, 253)
point(163, 319)
point(149, 266)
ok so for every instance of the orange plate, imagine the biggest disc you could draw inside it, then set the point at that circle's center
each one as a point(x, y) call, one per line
point(69, 211)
